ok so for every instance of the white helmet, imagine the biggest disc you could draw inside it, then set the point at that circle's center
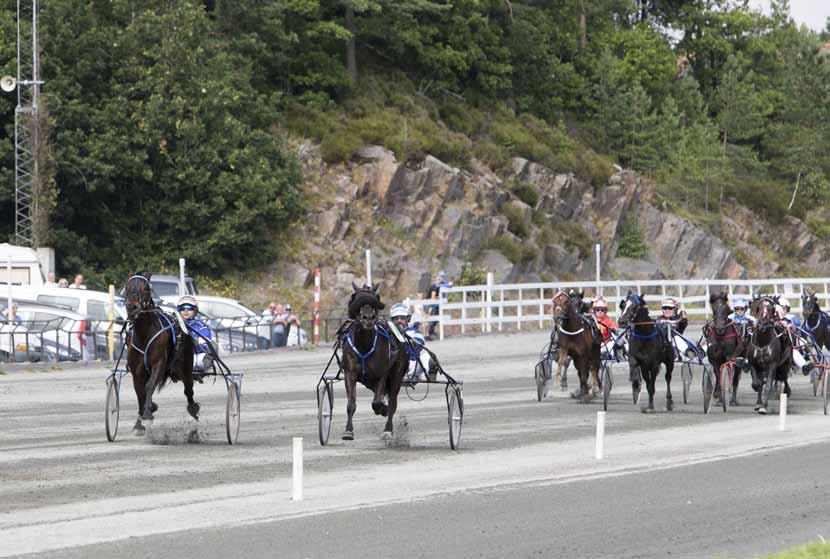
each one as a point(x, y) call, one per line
point(187, 300)
point(671, 303)
point(739, 302)
point(784, 302)
point(399, 309)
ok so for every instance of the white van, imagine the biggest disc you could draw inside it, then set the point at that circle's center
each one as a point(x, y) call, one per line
point(94, 305)
point(25, 266)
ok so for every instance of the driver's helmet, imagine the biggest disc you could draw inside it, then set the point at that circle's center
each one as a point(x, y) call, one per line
point(399, 310)
point(187, 303)
point(739, 303)
point(599, 303)
point(784, 303)
point(669, 304)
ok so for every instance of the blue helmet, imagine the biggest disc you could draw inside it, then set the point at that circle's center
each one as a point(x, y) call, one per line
point(739, 303)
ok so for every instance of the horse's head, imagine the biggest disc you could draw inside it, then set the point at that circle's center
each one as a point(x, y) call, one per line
point(365, 304)
point(763, 309)
point(720, 311)
point(809, 302)
point(632, 306)
point(138, 294)
point(562, 302)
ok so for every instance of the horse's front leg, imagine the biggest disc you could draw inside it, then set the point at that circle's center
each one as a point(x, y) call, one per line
point(377, 401)
point(192, 405)
point(139, 373)
point(394, 389)
point(351, 405)
point(669, 400)
point(562, 370)
point(651, 380)
point(736, 379)
point(153, 380)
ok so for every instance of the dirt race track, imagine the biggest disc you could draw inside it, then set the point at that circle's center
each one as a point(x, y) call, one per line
point(63, 486)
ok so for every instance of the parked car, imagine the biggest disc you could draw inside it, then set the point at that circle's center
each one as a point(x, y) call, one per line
point(54, 333)
point(168, 286)
point(226, 340)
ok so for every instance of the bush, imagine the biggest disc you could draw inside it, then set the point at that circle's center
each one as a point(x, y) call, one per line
point(513, 251)
point(472, 275)
point(526, 193)
point(631, 241)
point(340, 146)
point(516, 223)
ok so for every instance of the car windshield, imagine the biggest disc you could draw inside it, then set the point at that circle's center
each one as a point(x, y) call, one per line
point(165, 289)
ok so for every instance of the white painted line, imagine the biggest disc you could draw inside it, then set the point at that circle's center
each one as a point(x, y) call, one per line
point(297, 470)
point(599, 450)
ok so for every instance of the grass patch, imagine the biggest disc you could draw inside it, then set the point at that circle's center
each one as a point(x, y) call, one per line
point(818, 227)
point(513, 251)
point(525, 192)
point(516, 223)
point(573, 236)
point(810, 551)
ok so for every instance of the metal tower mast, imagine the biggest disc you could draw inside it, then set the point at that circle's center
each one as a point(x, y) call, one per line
point(26, 121)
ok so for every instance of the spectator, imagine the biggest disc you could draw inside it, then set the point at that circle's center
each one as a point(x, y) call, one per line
point(63, 283)
point(10, 314)
point(79, 282)
point(271, 310)
point(282, 321)
point(418, 312)
point(435, 293)
point(50, 280)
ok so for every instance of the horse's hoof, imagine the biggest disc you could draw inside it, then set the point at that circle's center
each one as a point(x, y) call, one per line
point(348, 435)
point(194, 410)
point(762, 410)
point(147, 420)
point(386, 435)
point(379, 408)
point(646, 409)
point(139, 431)
point(757, 407)
point(563, 388)
point(734, 402)
point(669, 405)
point(154, 407)
point(576, 394)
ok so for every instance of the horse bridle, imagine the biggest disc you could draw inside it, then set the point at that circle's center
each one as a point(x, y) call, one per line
point(146, 302)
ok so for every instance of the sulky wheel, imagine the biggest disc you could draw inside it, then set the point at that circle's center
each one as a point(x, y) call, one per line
point(686, 377)
point(606, 381)
point(543, 377)
point(455, 415)
point(232, 413)
point(112, 411)
point(824, 391)
point(708, 383)
point(814, 379)
point(325, 405)
point(725, 385)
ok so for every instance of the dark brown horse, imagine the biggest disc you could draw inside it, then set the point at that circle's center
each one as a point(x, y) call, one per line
point(815, 320)
point(648, 347)
point(769, 351)
point(158, 351)
point(373, 356)
point(578, 342)
point(724, 342)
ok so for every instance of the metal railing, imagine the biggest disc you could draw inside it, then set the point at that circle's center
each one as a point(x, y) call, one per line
point(59, 339)
point(529, 305)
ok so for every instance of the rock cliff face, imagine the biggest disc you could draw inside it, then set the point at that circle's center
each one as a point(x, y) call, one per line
point(535, 224)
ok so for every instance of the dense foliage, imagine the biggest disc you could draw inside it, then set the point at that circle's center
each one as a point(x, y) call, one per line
point(166, 115)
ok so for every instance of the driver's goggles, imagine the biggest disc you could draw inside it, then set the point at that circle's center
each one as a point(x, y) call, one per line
point(740, 308)
point(669, 308)
point(187, 307)
point(600, 309)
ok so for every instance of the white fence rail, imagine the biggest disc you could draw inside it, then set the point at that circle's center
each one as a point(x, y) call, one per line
point(502, 306)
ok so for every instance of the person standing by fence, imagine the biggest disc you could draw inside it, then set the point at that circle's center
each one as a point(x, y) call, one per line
point(435, 294)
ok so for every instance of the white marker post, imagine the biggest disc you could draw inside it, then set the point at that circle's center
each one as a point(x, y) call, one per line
point(782, 413)
point(599, 452)
point(368, 267)
point(297, 477)
point(182, 286)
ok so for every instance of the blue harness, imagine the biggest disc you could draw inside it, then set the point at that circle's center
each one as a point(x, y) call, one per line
point(378, 329)
point(169, 326)
point(654, 334)
point(821, 318)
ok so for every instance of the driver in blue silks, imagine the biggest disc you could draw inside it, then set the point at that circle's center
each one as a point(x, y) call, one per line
point(792, 323)
point(199, 331)
point(418, 360)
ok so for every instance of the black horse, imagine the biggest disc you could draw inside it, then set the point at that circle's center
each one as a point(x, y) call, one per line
point(373, 356)
point(577, 341)
point(158, 351)
point(768, 351)
point(648, 347)
point(724, 342)
point(816, 321)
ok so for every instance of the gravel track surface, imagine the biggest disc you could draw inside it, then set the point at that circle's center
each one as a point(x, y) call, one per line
point(62, 485)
